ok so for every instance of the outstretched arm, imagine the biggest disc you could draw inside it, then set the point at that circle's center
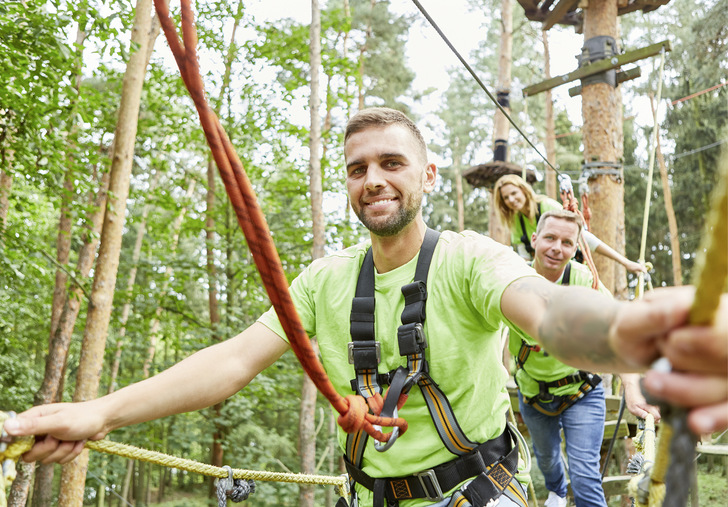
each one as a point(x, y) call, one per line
point(635, 400)
point(631, 266)
point(203, 379)
point(590, 331)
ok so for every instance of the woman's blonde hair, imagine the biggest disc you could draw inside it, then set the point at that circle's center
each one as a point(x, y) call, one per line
point(506, 214)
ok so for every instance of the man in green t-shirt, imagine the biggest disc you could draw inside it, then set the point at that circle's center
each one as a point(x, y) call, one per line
point(554, 396)
point(474, 287)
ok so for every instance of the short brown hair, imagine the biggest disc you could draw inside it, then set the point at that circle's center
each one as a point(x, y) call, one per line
point(383, 117)
point(563, 214)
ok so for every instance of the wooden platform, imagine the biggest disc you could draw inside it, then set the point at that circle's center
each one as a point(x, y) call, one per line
point(569, 12)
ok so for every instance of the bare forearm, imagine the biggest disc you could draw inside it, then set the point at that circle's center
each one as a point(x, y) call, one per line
point(577, 328)
point(572, 323)
point(203, 379)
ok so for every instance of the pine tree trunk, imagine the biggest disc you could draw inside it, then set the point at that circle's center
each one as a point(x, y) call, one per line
point(603, 142)
point(496, 229)
point(307, 431)
point(551, 187)
point(99, 310)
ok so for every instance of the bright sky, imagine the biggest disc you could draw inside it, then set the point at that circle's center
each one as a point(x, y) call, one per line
point(432, 60)
point(430, 57)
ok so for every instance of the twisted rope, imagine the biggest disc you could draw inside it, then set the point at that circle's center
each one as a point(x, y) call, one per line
point(10, 452)
point(676, 446)
point(352, 409)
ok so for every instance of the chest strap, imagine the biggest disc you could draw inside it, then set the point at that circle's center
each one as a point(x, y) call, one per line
point(493, 464)
point(364, 353)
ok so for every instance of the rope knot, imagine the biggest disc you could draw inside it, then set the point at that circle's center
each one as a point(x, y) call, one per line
point(353, 419)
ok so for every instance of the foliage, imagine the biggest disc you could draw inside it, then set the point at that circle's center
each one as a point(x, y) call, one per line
point(50, 128)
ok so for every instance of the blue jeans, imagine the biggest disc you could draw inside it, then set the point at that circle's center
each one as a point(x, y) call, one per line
point(583, 425)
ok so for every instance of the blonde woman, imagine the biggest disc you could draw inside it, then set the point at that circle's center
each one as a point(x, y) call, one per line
point(519, 207)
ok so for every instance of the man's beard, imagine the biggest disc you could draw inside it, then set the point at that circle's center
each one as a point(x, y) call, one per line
point(395, 223)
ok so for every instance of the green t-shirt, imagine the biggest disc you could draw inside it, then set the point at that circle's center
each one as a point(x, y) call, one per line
point(467, 277)
point(544, 367)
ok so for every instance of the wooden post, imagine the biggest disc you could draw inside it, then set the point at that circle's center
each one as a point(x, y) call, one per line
point(500, 123)
point(551, 187)
point(603, 143)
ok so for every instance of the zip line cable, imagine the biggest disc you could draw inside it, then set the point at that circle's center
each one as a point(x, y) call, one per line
point(478, 80)
point(698, 150)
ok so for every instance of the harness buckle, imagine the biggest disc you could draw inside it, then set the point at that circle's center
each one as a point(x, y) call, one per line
point(362, 349)
point(411, 339)
point(434, 485)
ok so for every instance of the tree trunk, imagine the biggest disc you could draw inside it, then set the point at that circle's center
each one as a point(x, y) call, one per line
point(99, 309)
point(669, 210)
point(496, 228)
point(6, 184)
point(220, 432)
point(603, 142)
point(51, 389)
point(551, 187)
point(21, 485)
point(307, 430)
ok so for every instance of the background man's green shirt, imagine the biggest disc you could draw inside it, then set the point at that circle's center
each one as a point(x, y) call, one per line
point(544, 367)
point(467, 277)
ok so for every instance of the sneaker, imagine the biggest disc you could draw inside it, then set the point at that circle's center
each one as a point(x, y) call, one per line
point(555, 500)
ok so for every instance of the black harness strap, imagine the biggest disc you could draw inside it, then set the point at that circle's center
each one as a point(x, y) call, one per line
point(524, 236)
point(493, 464)
point(491, 458)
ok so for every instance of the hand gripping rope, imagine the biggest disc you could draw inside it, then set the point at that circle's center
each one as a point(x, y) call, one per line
point(667, 482)
point(234, 483)
point(353, 410)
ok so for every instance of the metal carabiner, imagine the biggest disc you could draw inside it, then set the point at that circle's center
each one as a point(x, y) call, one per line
point(228, 482)
point(381, 447)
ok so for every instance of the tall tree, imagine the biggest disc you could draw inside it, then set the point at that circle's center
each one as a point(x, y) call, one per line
point(101, 297)
point(307, 426)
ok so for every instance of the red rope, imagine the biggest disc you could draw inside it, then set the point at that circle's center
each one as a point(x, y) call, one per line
point(353, 410)
point(571, 204)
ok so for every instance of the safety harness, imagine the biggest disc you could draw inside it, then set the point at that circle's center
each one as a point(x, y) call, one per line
point(493, 462)
point(589, 380)
point(524, 235)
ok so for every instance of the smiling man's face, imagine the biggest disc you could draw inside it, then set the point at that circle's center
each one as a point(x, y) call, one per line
point(386, 177)
point(554, 246)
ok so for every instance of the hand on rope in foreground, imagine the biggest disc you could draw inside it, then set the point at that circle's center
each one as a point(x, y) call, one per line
point(699, 376)
point(699, 354)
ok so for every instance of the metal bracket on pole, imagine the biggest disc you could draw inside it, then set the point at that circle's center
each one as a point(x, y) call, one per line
point(590, 170)
point(597, 67)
